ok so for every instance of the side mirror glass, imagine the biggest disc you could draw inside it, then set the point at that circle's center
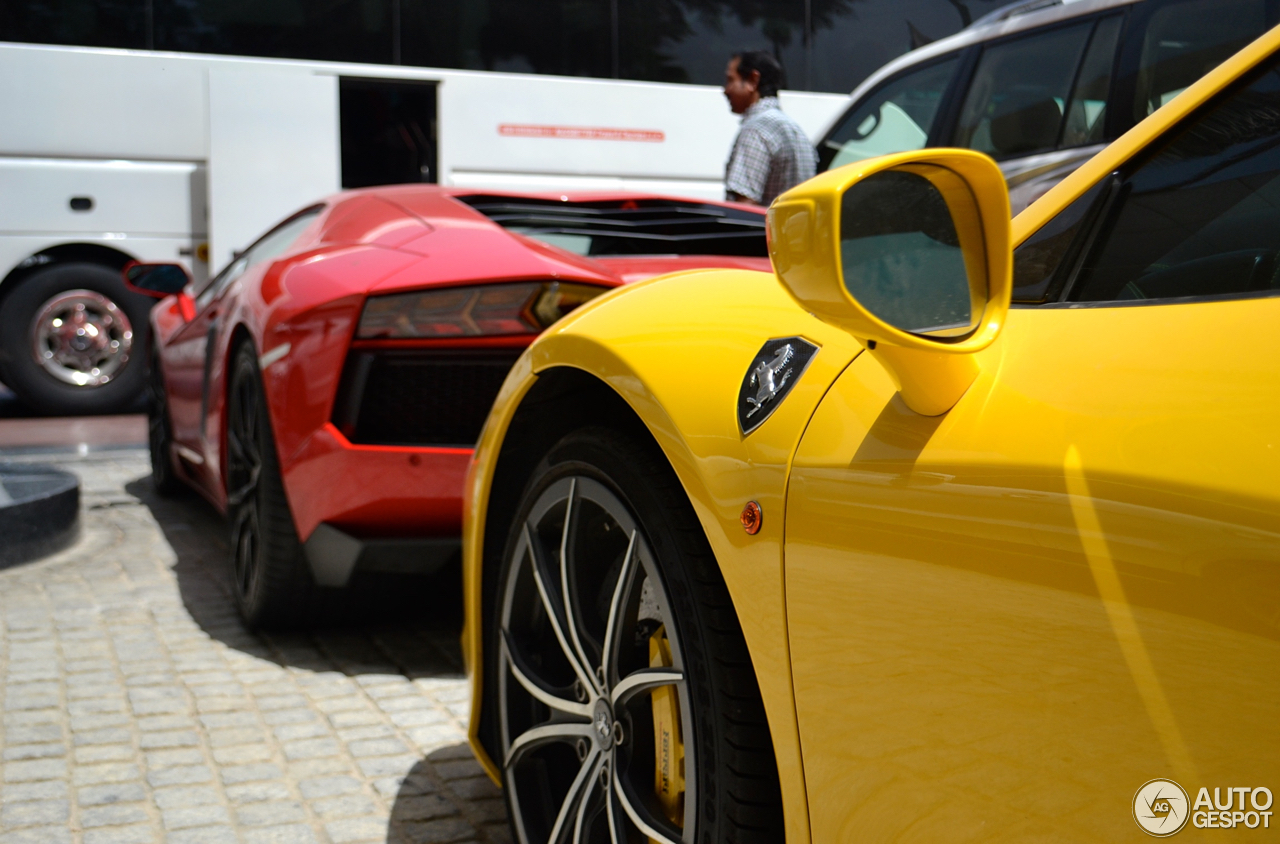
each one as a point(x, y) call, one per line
point(156, 280)
point(900, 255)
point(910, 254)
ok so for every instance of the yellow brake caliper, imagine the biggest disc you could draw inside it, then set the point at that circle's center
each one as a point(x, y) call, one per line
point(668, 746)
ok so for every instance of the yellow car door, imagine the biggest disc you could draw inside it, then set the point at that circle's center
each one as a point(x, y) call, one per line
point(1007, 619)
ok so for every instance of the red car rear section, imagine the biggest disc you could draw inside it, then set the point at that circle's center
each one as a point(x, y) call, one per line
point(374, 421)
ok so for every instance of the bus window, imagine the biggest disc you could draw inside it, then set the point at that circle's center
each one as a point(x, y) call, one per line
point(896, 118)
point(388, 132)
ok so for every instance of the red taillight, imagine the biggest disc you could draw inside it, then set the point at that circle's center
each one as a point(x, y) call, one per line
point(490, 309)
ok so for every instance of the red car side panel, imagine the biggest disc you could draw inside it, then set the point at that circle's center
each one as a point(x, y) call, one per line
point(301, 385)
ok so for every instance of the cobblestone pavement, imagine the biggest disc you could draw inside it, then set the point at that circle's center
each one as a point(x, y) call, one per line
point(137, 708)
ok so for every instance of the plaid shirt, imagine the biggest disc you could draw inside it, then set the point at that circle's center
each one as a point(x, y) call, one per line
point(771, 154)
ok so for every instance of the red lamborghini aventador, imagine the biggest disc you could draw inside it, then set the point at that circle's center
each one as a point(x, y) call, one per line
point(325, 389)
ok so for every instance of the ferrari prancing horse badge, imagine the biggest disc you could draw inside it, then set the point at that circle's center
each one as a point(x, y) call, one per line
point(774, 371)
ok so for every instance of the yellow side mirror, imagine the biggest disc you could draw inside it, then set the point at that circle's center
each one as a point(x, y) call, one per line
point(910, 254)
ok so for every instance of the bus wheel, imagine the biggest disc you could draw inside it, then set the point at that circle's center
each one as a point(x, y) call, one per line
point(72, 340)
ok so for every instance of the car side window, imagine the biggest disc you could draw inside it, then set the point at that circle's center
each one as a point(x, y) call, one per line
point(1086, 113)
point(270, 245)
point(229, 273)
point(896, 118)
point(1042, 262)
point(1185, 40)
point(1020, 88)
point(280, 238)
point(1200, 217)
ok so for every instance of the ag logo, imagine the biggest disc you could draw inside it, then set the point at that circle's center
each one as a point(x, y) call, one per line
point(1161, 808)
point(773, 372)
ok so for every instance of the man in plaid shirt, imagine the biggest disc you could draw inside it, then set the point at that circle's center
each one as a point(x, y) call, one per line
point(771, 154)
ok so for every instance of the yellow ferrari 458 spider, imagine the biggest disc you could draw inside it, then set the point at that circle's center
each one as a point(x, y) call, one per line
point(950, 530)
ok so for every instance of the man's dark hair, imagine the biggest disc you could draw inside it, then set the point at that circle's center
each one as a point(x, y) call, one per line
point(771, 75)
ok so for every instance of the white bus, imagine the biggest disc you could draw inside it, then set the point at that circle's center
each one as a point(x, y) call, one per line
point(110, 156)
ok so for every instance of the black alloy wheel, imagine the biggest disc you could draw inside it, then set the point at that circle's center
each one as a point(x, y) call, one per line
point(160, 431)
point(627, 706)
point(269, 575)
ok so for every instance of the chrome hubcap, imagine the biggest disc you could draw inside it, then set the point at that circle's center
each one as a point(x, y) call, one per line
point(582, 598)
point(81, 337)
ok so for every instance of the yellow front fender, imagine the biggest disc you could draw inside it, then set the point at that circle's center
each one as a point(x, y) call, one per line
point(676, 349)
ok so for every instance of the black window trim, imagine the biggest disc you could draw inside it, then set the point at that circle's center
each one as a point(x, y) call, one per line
point(1107, 137)
point(944, 123)
point(1144, 303)
point(1124, 71)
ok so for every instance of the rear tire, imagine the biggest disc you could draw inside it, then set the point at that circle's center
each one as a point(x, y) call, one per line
point(113, 378)
point(159, 431)
point(629, 585)
point(269, 575)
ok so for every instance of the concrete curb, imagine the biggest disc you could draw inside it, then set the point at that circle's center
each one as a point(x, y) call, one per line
point(39, 511)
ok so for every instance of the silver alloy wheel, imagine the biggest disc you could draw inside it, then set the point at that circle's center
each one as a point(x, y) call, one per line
point(81, 337)
point(581, 601)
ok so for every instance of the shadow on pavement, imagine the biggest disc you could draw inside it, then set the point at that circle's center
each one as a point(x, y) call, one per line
point(421, 812)
point(408, 625)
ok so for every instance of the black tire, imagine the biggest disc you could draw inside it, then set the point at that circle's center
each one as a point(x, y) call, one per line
point(269, 576)
point(638, 564)
point(35, 384)
point(160, 431)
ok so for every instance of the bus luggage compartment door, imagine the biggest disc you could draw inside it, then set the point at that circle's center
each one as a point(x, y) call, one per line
point(67, 196)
